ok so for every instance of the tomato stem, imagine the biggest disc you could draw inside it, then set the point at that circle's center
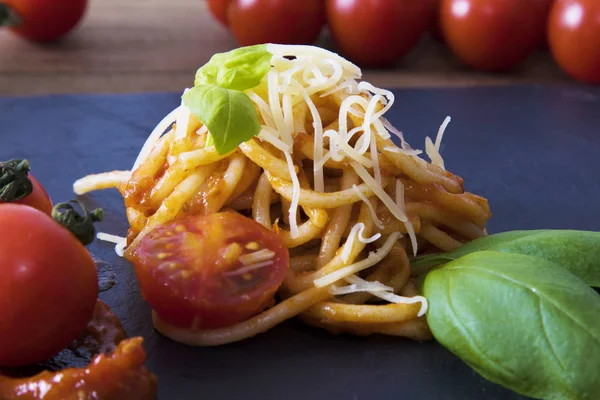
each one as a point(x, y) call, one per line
point(82, 226)
point(8, 17)
point(14, 182)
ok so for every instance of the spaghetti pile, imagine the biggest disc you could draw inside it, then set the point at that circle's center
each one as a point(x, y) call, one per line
point(351, 206)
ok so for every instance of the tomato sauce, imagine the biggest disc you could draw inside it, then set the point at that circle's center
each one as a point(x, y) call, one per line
point(116, 372)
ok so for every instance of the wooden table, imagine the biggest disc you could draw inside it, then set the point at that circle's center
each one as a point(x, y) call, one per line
point(157, 45)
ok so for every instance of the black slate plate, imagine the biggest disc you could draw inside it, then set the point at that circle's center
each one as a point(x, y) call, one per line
point(531, 150)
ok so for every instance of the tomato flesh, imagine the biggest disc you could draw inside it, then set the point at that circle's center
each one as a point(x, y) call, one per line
point(195, 271)
point(48, 288)
point(574, 38)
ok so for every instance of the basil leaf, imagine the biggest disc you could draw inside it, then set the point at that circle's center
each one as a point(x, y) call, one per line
point(577, 251)
point(230, 115)
point(238, 69)
point(519, 321)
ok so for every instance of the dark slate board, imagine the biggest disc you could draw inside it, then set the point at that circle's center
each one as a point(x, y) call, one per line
point(532, 150)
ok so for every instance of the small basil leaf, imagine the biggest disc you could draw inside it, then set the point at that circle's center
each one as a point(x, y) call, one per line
point(238, 69)
point(577, 251)
point(230, 115)
point(519, 321)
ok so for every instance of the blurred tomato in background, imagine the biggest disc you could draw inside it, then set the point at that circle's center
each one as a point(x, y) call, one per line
point(574, 38)
point(377, 33)
point(218, 8)
point(492, 35)
point(275, 21)
point(42, 20)
point(487, 35)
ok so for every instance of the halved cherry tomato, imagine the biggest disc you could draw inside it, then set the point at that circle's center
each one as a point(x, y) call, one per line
point(48, 286)
point(574, 38)
point(44, 20)
point(276, 21)
point(218, 8)
point(197, 272)
point(377, 33)
point(492, 35)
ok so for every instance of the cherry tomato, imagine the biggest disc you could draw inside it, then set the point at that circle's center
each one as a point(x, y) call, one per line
point(16, 173)
point(218, 8)
point(196, 272)
point(38, 198)
point(492, 35)
point(48, 288)
point(434, 26)
point(45, 20)
point(574, 38)
point(276, 21)
point(377, 33)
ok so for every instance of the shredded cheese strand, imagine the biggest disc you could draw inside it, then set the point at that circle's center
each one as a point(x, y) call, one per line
point(372, 259)
point(356, 233)
point(364, 198)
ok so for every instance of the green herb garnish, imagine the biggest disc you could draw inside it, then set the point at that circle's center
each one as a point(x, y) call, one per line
point(519, 321)
point(218, 100)
point(577, 251)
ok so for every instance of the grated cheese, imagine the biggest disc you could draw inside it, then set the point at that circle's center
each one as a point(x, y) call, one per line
point(387, 200)
point(380, 290)
point(360, 287)
point(318, 144)
point(119, 241)
point(372, 259)
point(433, 150)
point(248, 268)
point(257, 256)
point(269, 136)
point(317, 52)
point(183, 120)
point(374, 217)
point(356, 233)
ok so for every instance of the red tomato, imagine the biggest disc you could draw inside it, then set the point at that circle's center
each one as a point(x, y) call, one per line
point(574, 38)
point(48, 288)
point(45, 20)
point(38, 198)
point(218, 8)
point(492, 35)
point(377, 33)
point(16, 173)
point(434, 26)
point(276, 21)
point(193, 273)
point(546, 7)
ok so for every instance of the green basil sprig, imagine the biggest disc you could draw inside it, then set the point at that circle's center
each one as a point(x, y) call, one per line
point(239, 69)
point(218, 100)
point(577, 251)
point(519, 321)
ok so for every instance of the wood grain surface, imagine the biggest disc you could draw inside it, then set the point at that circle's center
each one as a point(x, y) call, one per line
point(157, 45)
